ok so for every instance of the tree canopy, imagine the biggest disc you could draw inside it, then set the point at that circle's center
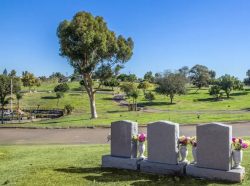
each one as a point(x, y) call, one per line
point(131, 91)
point(200, 76)
point(12, 73)
point(63, 87)
point(247, 80)
point(103, 73)
point(112, 82)
point(144, 85)
point(127, 77)
point(170, 84)
point(229, 83)
point(148, 76)
point(29, 80)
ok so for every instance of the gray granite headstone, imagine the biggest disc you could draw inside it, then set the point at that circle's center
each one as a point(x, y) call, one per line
point(121, 135)
point(214, 146)
point(162, 142)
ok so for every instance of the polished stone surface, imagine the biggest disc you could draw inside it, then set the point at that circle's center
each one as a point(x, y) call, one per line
point(214, 146)
point(162, 142)
point(121, 139)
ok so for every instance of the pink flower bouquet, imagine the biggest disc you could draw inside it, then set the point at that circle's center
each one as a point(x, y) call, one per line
point(142, 137)
point(240, 144)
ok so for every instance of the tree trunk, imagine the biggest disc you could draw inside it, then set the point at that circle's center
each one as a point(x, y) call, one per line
point(171, 99)
point(228, 94)
point(88, 84)
point(197, 90)
point(18, 110)
point(134, 106)
point(2, 115)
point(92, 105)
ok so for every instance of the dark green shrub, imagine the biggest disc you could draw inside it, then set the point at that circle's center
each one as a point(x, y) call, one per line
point(149, 96)
point(68, 109)
point(63, 87)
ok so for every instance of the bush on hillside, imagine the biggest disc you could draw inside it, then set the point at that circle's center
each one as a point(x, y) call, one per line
point(68, 109)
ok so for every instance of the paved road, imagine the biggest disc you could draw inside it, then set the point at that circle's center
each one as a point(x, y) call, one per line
point(84, 136)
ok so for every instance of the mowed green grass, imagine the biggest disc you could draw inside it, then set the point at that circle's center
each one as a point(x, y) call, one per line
point(185, 109)
point(201, 100)
point(80, 165)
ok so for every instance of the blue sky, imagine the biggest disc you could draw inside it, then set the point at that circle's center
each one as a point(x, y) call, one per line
point(168, 34)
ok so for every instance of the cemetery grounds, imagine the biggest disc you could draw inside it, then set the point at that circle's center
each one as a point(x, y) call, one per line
point(192, 108)
point(80, 164)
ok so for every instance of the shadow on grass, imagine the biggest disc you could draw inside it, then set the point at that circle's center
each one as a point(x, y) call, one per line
point(197, 93)
point(49, 97)
point(106, 175)
point(205, 100)
point(109, 99)
point(212, 99)
point(193, 93)
point(105, 90)
point(75, 94)
point(76, 89)
point(117, 111)
point(246, 109)
point(153, 103)
point(239, 94)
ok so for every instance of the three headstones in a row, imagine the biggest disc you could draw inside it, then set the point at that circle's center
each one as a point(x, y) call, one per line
point(213, 151)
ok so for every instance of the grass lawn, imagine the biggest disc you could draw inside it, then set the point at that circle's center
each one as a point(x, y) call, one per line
point(184, 110)
point(80, 165)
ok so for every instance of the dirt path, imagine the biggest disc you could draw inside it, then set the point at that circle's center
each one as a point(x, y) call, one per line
point(84, 136)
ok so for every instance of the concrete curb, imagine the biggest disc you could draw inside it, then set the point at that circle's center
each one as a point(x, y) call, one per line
point(108, 126)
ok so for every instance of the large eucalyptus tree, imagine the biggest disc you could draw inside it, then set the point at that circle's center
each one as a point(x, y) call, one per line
point(87, 43)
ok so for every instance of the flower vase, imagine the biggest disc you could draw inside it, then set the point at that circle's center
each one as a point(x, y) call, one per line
point(141, 150)
point(194, 154)
point(237, 158)
point(183, 153)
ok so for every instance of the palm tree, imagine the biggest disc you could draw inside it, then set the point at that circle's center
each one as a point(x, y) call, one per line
point(5, 90)
point(19, 96)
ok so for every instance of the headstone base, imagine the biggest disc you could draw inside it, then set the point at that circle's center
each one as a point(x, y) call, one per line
point(234, 175)
point(109, 161)
point(162, 168)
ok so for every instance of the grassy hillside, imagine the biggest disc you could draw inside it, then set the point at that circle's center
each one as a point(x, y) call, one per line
point(190, 108)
